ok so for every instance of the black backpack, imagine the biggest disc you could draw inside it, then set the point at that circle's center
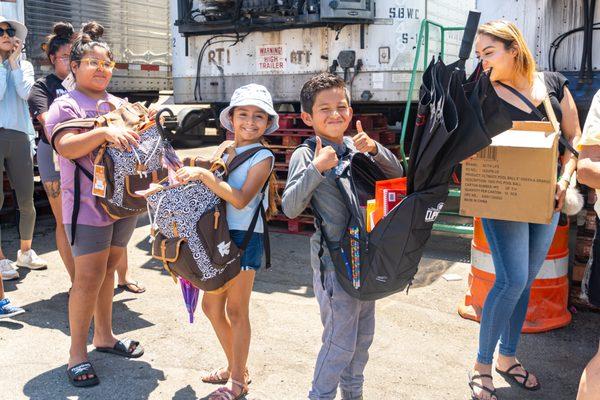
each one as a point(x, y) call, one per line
point(389, 255)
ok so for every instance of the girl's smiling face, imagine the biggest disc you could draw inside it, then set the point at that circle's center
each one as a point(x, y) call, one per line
point(249, 123)
point(90, 77)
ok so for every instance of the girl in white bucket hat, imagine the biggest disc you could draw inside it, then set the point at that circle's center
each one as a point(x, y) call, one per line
point(250, 115)
point(16, 140)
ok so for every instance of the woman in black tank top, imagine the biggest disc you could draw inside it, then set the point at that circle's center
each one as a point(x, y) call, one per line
point(518, 249)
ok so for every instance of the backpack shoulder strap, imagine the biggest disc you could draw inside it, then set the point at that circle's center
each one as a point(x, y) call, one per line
point(245, 156)
point(311, 143)
point(223, 147)
point(77, 123)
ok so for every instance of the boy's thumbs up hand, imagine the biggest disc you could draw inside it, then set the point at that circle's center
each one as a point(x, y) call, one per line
point(324, 158)
point(363, 142)
point(318, 147)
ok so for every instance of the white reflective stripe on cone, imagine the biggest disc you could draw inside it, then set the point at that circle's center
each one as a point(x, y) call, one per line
point(551, 269)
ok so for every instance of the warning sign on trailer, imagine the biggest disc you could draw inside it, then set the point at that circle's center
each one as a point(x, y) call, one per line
point(270, 58)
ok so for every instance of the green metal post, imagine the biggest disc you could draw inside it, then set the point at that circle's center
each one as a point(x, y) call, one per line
point(423, 31)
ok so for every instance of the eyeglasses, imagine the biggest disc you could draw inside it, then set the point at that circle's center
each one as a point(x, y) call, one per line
point(9, 31)
point(95, 63)
point(64, 59)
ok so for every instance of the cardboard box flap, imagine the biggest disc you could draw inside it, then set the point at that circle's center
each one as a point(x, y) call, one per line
point(525, 138)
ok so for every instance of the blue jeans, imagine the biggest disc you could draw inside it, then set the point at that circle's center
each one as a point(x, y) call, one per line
point(518, 251)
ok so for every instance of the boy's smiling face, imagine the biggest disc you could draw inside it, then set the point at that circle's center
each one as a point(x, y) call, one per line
point(331, 114)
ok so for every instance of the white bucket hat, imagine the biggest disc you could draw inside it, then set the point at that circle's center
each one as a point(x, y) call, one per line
point(20, 29)
point(251, 95)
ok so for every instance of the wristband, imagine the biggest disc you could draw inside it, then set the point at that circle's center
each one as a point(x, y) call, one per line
point(564, 178)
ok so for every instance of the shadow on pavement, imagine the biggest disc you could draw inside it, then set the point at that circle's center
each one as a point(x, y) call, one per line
point(11, 286)
point(52, 314)
point(14, 326)
point(120, 378)
point(186, 393)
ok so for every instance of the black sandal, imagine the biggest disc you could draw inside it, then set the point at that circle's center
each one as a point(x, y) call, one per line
point(84, 368)
point(514, 377)
point(473, 384)
point(123, 348)
point(128, 287)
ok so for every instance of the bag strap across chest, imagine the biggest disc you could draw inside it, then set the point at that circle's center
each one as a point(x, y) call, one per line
point(549, 112)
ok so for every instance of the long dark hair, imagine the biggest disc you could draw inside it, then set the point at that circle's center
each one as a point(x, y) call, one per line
point(88, 38)
point(62, 34)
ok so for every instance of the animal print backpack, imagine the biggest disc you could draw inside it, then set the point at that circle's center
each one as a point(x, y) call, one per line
point(189, 230)
point(119, 174)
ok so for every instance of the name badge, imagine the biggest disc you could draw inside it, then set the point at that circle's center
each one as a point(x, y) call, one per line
point(99, 184)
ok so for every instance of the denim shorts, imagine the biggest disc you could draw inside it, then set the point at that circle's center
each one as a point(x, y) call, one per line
point(252, 257)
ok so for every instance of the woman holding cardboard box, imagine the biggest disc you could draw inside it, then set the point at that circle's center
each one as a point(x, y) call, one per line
point(518, 248)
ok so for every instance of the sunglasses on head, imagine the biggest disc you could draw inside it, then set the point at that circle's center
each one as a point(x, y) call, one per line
point(9, 31)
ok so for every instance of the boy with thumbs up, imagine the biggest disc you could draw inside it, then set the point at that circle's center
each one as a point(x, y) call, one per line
point(348, 323)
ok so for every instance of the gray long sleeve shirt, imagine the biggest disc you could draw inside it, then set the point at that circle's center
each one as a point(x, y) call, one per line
point(305, 184)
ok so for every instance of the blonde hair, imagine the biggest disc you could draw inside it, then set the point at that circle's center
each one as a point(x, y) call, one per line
point(512, 37)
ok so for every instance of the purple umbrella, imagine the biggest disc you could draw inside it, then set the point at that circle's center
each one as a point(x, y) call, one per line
point(190, 296)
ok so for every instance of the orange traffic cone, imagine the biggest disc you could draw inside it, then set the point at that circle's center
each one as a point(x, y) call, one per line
point(547, 308)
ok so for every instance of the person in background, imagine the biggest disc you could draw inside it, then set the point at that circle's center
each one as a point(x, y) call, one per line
point(7, 310)
point(45, 90)
point(588, 173)
point(16, 141)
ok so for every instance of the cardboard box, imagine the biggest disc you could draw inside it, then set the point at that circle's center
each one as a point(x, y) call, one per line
point(513, 179)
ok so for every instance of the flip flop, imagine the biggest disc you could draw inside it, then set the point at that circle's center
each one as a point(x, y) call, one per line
point(473, 384)
point(514, 377)
point(84, 368)
point(123, 348)
point(127, 287)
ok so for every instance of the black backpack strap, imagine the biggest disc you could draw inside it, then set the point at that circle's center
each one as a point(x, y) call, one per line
point(77, 196)
point(245, 156)
point(311, 143)
point(260, 210)
point(322, 240)
point(539, 114)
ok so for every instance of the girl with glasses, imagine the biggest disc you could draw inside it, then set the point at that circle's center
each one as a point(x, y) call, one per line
point(98, 243)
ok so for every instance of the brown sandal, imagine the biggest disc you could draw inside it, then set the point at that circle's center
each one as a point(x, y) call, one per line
point(224, 393)
point(217, 377)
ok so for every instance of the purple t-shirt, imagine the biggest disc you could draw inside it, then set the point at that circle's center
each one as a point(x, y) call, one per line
point(69, 106)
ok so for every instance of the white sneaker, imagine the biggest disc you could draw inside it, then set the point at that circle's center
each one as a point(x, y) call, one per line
point(7, 270)
point(30, 260)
